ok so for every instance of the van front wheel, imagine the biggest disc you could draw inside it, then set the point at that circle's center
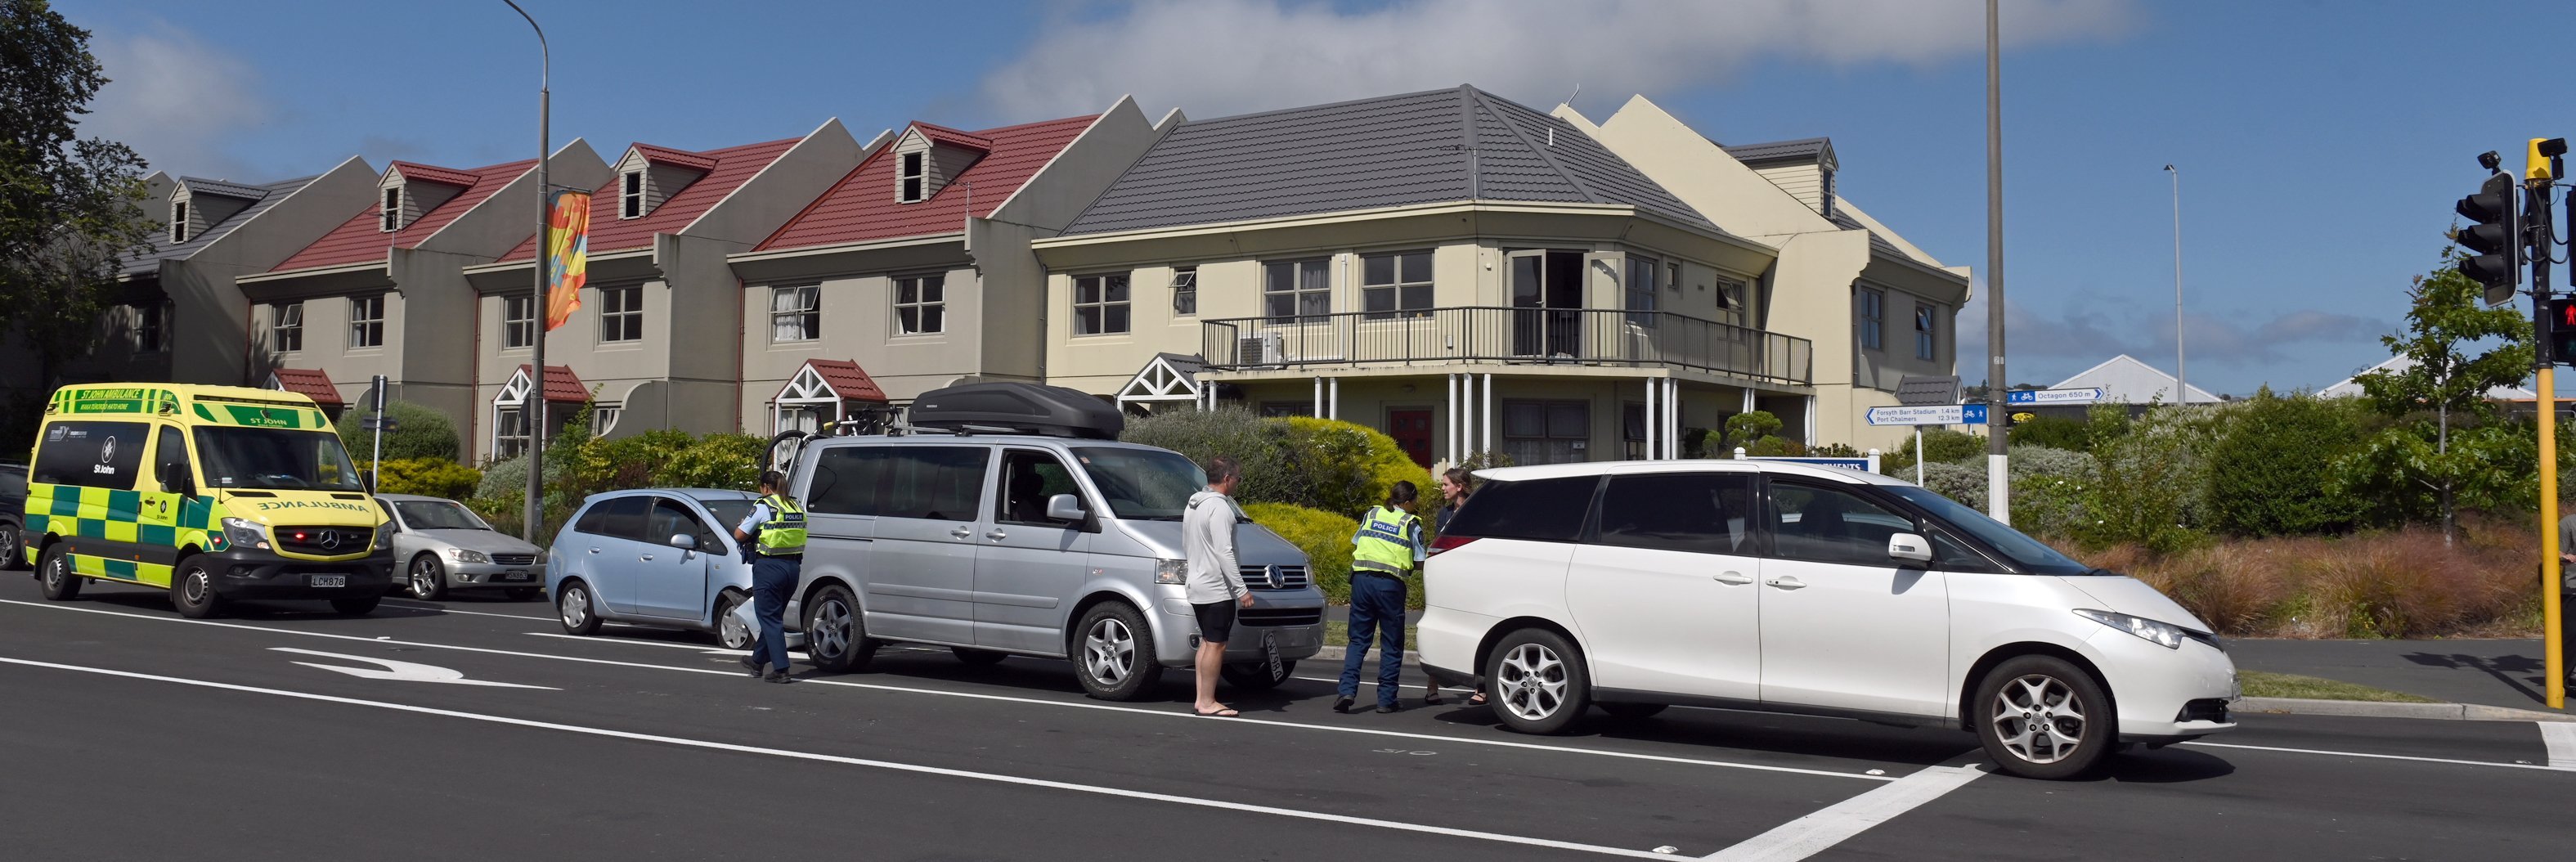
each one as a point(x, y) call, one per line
point(1113, 653)
point(55, 573)
point(2042, 717)
point(192, 590)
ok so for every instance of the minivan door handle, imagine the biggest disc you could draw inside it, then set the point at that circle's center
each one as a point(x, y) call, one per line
point(1735, 577)
point(996, 534)
point(961, 532)
point(1786, 583)
point(594, 550)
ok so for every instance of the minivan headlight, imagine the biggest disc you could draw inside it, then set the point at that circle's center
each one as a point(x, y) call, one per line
point(465, 556)
point(2162, 634)
point(1171, 571)
point(245, 533)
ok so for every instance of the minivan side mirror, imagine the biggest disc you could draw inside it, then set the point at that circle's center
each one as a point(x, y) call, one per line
point(1909, 547)
point(1065, 507)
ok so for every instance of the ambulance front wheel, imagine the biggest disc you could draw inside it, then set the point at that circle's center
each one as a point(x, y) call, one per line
point(192, 590)
point(55, 573)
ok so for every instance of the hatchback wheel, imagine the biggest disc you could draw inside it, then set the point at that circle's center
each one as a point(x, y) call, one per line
point(55, 574)
point(836, 637)
point(573, 605)
point(1539, 682)
point(192, 590)
point(1113, 653)
point(729, 628)
point(427, 580)
point(2043, 717)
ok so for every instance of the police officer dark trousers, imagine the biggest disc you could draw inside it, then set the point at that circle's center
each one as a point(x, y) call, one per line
point(1388, 544)
point(774, 536)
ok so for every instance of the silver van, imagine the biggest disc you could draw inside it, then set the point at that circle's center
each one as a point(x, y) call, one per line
point(1028, 544)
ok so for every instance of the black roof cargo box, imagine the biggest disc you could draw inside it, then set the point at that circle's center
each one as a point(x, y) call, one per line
point(1017, 408)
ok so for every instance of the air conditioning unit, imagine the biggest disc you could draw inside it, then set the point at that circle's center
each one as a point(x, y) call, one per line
point(1260, 349)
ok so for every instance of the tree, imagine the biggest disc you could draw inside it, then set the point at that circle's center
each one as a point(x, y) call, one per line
point(2445, 381)
point(70, 207)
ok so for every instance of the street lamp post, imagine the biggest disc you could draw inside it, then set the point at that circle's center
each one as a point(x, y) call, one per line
point(1998, 478)
point(535, 417)
point(2182, 391)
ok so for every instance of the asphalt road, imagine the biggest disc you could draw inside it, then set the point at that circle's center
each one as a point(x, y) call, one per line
point(139, 735)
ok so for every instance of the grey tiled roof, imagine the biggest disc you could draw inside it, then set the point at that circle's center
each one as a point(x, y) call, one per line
point(1456, 144)
point(1876, 243)
point(262, 198)
point(1804, 148)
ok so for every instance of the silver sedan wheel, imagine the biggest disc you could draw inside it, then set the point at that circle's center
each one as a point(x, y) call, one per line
point(575, 606)
point(424, 578)
point(1532, 682)
point(831, 634)
point(2039, 719)
point(1109, 652)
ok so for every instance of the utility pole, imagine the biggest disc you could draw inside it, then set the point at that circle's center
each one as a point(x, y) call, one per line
point(532, 409)
point(1998, 488)
point(2182, 390)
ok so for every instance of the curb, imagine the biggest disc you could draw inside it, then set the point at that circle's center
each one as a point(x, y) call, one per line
point(2375, 709)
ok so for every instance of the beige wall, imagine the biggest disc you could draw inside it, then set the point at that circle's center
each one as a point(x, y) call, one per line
point(858, 325)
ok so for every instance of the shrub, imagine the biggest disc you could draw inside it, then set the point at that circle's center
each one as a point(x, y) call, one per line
point(1324, 536)
point(1259, 444)
point(2152, 479)
point(2054, 432)
point(427, 476)
point(2402, 583)
point(2269, 471)
point(1943, 444)
point(731, 461)
point(419, 432)
point(1350, 467)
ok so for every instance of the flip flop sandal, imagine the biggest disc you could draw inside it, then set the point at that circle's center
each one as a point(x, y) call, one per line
point(1228, 712)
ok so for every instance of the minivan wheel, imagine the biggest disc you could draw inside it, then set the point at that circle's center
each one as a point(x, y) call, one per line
point(836, 637)
point(55, 574)
point(1539, 682)
point(427, 580)
point(729, 629)
point(192, 590)
point(1256, 676)
point(1113, 653)
point(574, 607)
point(2043, 717)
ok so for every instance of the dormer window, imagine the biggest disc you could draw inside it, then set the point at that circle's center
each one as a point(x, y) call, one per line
point(630, 195)
point(915, 176)
point(389, 217)
point(1828, 206)
point(179, 221)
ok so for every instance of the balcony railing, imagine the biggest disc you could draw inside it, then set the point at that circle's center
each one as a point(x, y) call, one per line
point(1533, 336)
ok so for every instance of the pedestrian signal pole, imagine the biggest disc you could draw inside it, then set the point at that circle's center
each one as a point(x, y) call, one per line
point(2540, 172)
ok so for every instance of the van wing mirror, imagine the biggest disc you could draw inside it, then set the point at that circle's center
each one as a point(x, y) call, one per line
point(1910, 548)
point(1065, 507)
point(175, 480)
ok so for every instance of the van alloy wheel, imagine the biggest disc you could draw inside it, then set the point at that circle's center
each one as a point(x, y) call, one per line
point(836, 634)
point(831, 632)
point(1533, 682)
point(1109, 651)
point(2041, 716)
point(2039, 719)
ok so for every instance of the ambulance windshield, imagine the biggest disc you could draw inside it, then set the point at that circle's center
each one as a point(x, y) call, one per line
point(275, 459)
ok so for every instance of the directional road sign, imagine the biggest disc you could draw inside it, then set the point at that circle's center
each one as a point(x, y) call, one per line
point(2054, 396)
point(1941, 414)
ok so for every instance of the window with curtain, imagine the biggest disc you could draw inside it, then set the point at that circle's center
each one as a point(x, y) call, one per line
point(367, 321)
point(796, 313)
point(1297, 291)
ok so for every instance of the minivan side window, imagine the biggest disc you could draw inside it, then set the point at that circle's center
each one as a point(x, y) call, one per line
point(1538, 510)
point(940, 483)
point(1831, 525)
point(92, 454)
point(1029, 478)
point(1701, 513)
point(846, 481)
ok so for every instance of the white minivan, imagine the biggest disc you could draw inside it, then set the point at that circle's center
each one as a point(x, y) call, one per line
point(1792, 588)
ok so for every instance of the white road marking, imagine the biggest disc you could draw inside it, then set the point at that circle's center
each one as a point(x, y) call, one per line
point(1164, 713)
point(401, 671)
point(2378, 756)
point(446, 609)
point(2560, 736)
point(873, 764)
point(1815, 833)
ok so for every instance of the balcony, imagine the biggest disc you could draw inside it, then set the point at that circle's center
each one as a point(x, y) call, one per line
point(1511, 336)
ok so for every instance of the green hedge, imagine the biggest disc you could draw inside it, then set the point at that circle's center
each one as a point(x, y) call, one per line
point(419, 433)
point(427, 476)
point(1324, 536)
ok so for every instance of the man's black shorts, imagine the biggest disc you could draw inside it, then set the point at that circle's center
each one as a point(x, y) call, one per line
point(1216, 621)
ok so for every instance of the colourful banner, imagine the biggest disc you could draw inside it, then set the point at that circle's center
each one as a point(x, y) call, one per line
point(567, 254)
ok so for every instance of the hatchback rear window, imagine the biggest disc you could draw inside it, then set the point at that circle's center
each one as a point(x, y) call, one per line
point(1538, 510)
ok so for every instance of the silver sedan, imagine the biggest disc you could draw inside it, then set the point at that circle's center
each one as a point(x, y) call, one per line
point(443, 546)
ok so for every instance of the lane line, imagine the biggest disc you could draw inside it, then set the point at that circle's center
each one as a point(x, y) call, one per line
point(2561, 738)
point(1162, 713)
point(1815, 833)
point(446, 609)
point(610, 640)
point(2379, 756)
point(875, 764)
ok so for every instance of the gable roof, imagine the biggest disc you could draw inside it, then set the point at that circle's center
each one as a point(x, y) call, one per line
point(862, 206)
point(431, 173)
point(953, 137)
point(1457, 144)
point(261, 198)
point(669, 156)
point(1801, 150)
point(200, 186)
point(311, 383)
point(2126, 380)
point(727, 169)
point(2351, 386)
point(358, 241)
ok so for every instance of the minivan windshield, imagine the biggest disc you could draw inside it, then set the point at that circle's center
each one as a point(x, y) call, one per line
point(2025, 553)
point(1142, 484)
point(438, 515)
point(275, 459)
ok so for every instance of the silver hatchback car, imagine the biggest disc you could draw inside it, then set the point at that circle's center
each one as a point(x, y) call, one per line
point(660, 557)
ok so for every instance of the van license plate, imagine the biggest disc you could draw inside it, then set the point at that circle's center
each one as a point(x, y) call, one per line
point(326, 580)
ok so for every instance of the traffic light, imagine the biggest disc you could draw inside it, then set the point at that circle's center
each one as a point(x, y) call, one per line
point(2558, 332)
point(2494, 235)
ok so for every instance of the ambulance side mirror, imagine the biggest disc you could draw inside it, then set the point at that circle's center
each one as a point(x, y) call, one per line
point(175, 480)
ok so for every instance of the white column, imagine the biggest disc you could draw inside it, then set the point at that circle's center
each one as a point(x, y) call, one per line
point(1315, 405)
point(1336, 384)
point(1748, 400)
point(1672, 418)
point(1485, 425)
point(1652, 418)
point(1811, 420)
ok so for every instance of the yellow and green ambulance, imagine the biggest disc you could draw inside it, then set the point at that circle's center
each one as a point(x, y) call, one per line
point(214, 492)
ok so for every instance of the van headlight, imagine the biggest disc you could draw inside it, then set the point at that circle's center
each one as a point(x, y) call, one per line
point(384, 536)
point(465, 556)
point(245, 533)
point(2162, 634)
point(1171, 571)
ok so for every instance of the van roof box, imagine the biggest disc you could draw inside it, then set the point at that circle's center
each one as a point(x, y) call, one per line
point(1017, 408)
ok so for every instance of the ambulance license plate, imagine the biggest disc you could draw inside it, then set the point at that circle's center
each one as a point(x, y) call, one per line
point(326, 580)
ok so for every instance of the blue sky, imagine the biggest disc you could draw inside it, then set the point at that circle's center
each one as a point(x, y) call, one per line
point(2321, 143)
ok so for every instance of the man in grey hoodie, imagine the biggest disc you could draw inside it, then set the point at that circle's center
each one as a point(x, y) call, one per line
point(1215, 582)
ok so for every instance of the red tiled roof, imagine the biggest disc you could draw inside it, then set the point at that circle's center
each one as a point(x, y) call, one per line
point(848, 379)
point(432, 173)
point(862, 206)
point(729, 169)
point(358, 241)
point(562, 386)
point(953, 137)
point(683, 158)
point(310, 383)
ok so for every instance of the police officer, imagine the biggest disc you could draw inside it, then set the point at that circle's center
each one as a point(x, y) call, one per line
point(1388, 544)
point(773, 535)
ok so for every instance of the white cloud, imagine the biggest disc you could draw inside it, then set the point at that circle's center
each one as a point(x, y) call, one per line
point(1217, 57)
point(176, 100)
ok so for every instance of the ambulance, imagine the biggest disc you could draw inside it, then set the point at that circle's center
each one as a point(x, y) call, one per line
point(215, 493)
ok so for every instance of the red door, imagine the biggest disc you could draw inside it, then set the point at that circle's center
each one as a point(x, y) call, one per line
point(1412, 431)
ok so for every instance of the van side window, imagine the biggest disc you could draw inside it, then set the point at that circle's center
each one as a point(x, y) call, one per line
point(1029, 478)
point(1538, 510)
point(173, 453)
point(940, 483)
point(1831, 525)
point(847, 480)
point(91, 454)
point(1701, 513)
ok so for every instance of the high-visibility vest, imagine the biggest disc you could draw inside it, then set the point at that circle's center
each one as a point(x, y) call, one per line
point(1385, 541)
point(783, 535)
